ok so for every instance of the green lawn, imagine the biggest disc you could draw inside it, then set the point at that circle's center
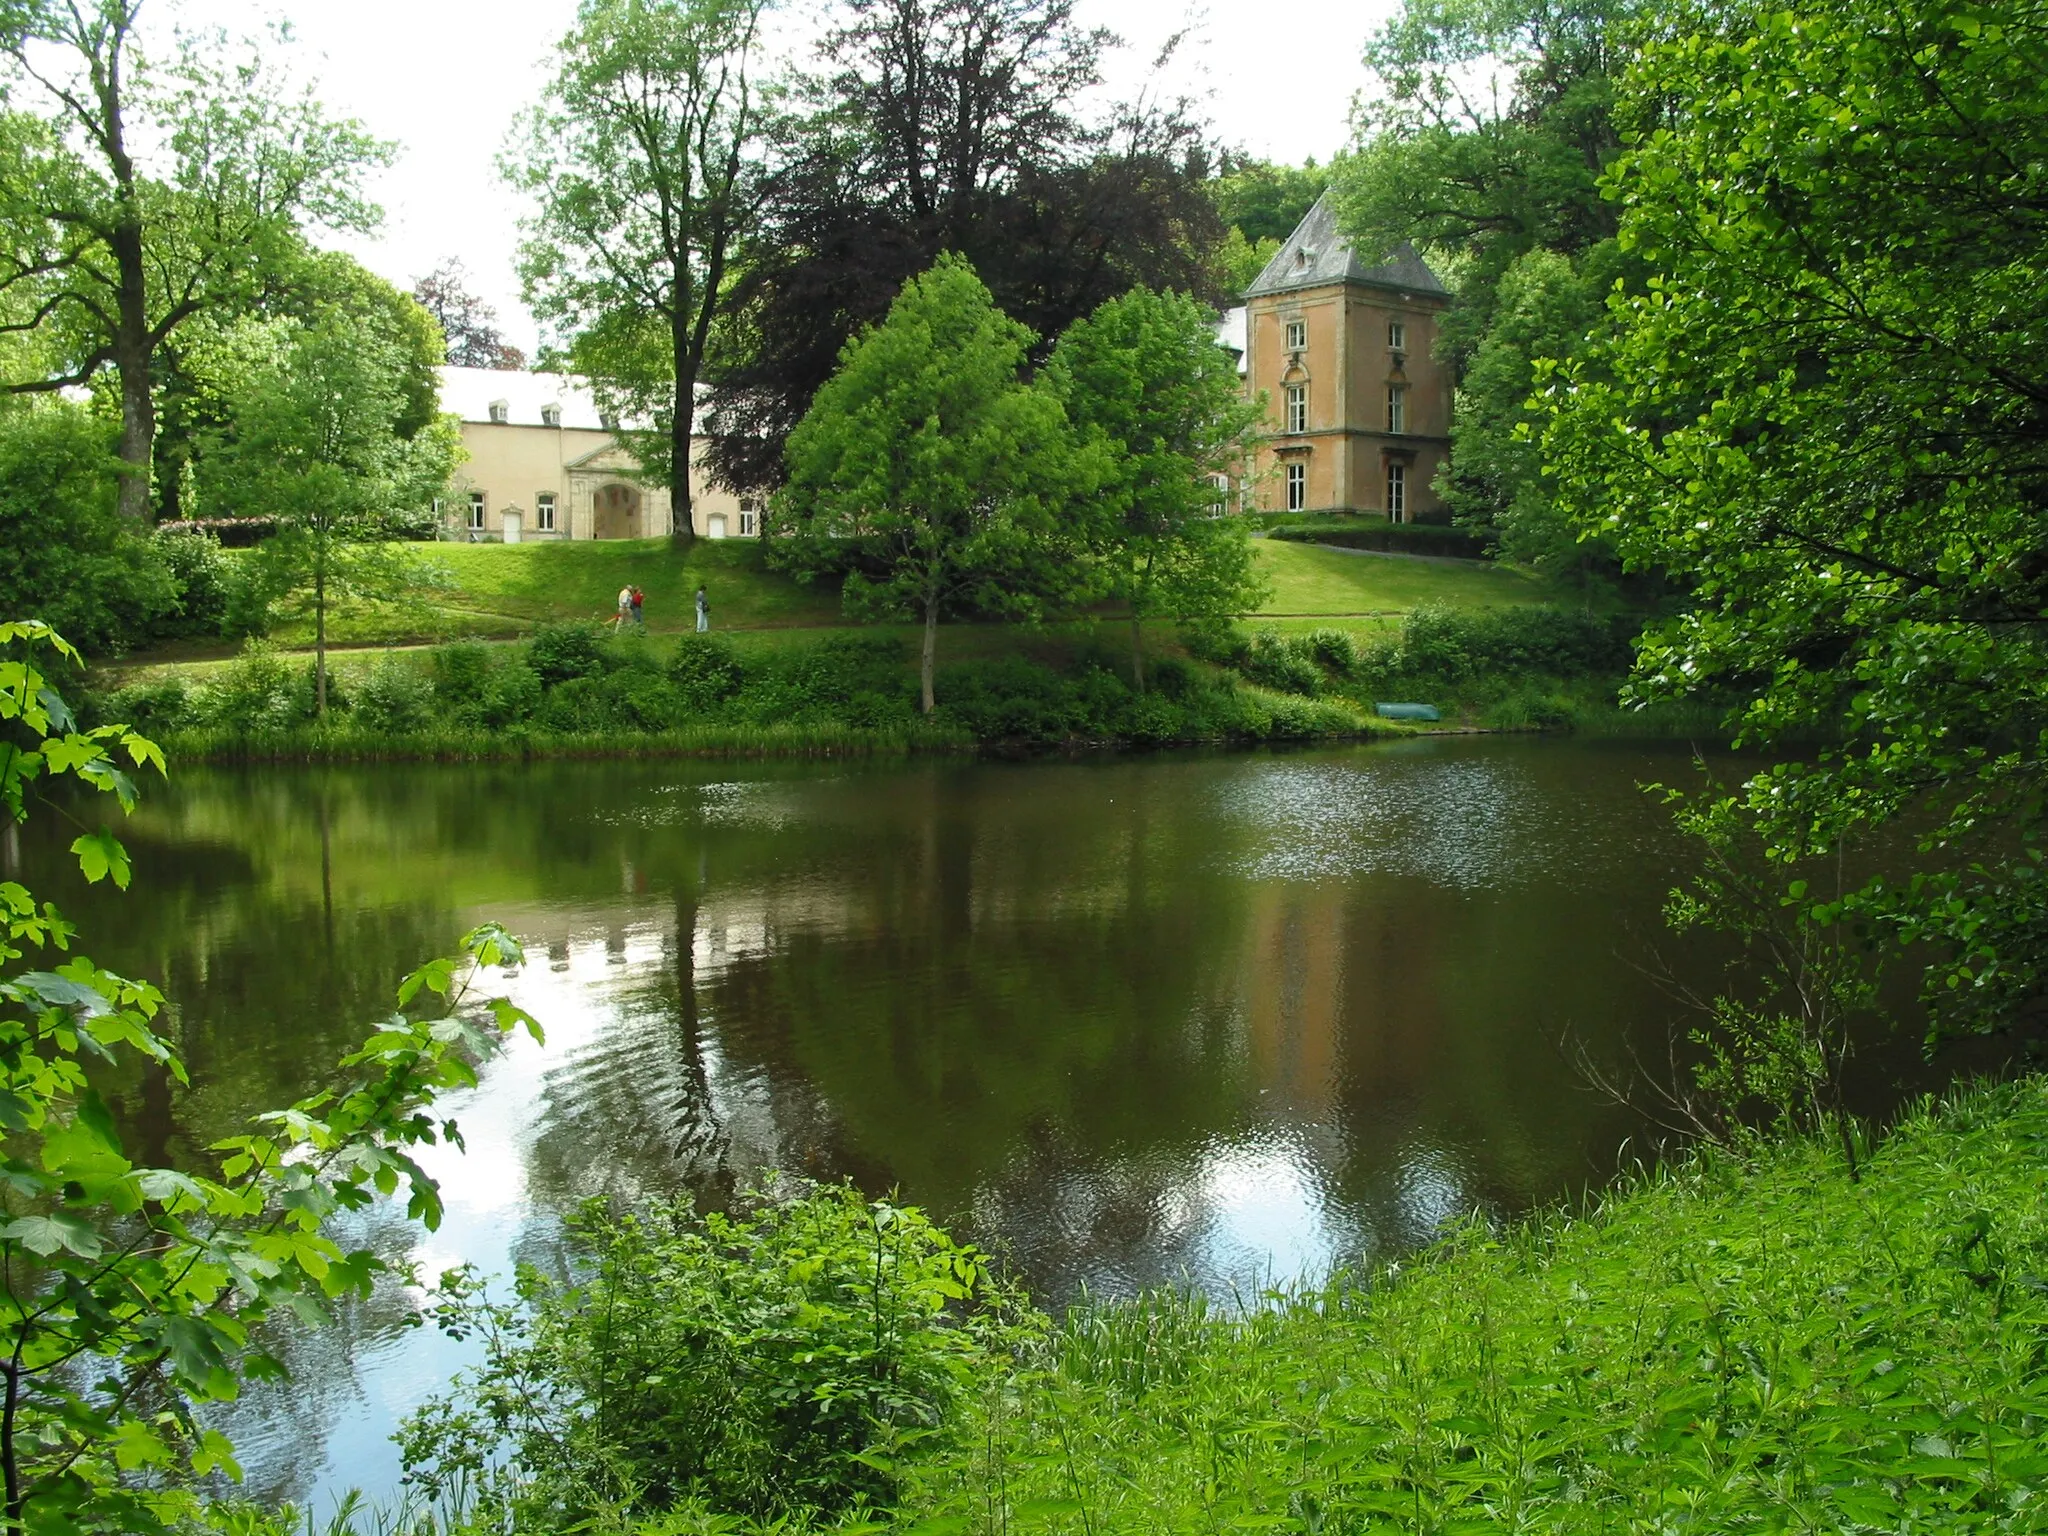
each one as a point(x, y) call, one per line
point(1309, 581)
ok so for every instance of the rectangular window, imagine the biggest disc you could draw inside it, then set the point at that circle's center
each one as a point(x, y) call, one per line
point(544, 511)
point(746, 520)
point(1297, 487)
point(1397, 336)
point(1397, 408)
point(1297, 407)
point(476, 509)
point(1297, 335)
point(1397, 493)
point(551, 415)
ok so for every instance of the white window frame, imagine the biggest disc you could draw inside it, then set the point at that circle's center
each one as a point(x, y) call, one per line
point(747, 522)
point(501, 412)
point(1397, 409)
point(551, 415)
point(1297, 487)
point(1397, 335)
point(1397, 493)
point(1297, 335)
point(1296, 407)
point(544, 511)
point(476, 512)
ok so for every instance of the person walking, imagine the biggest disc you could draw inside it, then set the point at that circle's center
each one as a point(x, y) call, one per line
point(625, 613)
point(639, 618)
point(703, 612)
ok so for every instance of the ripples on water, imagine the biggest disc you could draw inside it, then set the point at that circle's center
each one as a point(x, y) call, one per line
point(1224, 1021)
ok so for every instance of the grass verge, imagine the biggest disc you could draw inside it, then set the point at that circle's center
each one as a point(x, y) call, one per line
point(1730, 1344)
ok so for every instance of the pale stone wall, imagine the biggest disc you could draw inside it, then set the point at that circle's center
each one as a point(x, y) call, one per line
point(513, 464)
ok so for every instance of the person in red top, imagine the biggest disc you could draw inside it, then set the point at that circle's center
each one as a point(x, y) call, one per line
point(639, 619)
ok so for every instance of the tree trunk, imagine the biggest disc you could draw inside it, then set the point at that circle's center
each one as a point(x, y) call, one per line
point(320, 641)
point(682, 527)
point(1137, 652)
point(131, 363)
point(931, 649)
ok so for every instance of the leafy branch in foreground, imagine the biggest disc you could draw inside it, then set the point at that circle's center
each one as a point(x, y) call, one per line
point(131, 1295)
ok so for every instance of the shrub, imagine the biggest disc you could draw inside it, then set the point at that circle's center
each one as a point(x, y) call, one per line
point(764, 1364)
point(1393, 538)
point(512, 695)
point(705, 671)
point(587, 705)
point(260, 692)
point(154, 709)
point(395, 697)
point(66, 553)
point(1334, 649)
point(461, 673)
point(204, 579)
point(1220, 644)
point(1009, 699)
point(1274, 661)
point(561, 652)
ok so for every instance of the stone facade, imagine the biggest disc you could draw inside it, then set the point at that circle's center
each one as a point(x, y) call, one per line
point(543, 466)
point(1358, 409)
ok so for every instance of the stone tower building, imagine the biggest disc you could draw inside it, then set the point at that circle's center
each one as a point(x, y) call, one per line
point(1358, 407)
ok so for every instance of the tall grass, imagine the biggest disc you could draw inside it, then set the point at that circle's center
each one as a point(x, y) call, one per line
point(346, 744)
point(1726, 1345)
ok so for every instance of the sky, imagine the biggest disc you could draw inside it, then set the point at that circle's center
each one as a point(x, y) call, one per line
point(445, 78)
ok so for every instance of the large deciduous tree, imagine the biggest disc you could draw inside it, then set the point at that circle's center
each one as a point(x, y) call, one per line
point(318, 439)
point(644, 160)
point(928, 454)
point(951, 125)
point(1146, 386)
point(1831, 409)
point(469, 326)
point(135, 197)
point(1483, 141)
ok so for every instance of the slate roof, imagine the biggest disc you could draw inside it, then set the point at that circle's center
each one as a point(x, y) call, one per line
point(1230, 334)
point(470, 392)
point(1316, 254)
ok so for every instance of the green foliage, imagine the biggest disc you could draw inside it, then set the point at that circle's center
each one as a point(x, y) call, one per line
point(705, 670)
point(133, 1295)
point(644, 161)
point(394, 697)
point(1279, 662)
point(1260, 204)
point(773, 1362)
point(1828, 410)
point(1159, 406)
point(318, 441)
point(559, 652)
point(65, 550)
point(929, 449)
point(1484, 144)
point(1728, 1346)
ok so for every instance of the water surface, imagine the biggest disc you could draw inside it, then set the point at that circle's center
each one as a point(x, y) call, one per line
point(1220, 1019)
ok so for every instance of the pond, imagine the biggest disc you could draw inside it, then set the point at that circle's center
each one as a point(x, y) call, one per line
point(1214, 1019)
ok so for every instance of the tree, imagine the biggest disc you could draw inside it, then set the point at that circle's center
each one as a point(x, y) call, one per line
point(1830, 408)
point(1144, 382)
point(1260, 204)
point(929, 452)
point(644, 158)
point(202, 368)
point(131, 1294)
point(64, 549)
point(950, 125)
point(318, 442)
point(468, 325)
point(140, 199)
point(1484, 144)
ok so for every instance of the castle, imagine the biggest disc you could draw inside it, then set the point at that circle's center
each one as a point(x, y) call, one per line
point(1358, 412)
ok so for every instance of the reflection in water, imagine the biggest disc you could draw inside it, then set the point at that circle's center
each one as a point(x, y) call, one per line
point(1222, 1019)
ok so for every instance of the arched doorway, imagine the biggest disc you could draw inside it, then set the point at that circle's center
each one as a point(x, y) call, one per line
point(616, 512)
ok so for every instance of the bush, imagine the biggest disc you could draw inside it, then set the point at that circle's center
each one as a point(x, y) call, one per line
point(1393, 538)
point(1448, 644)
point(1274, 661)
point(764, 1364)
point(559, 653)
point(1219, 644)
point(66, 553)
point(1334, 649)
point(204, 579)
point(154, 709)
point(705, 671)
point(394, 697)
point(260, 692)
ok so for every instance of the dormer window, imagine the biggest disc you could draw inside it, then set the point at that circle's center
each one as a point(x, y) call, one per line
point(1297, 335)
point(501, 411)
point(1304, 256)
point(551, 415)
